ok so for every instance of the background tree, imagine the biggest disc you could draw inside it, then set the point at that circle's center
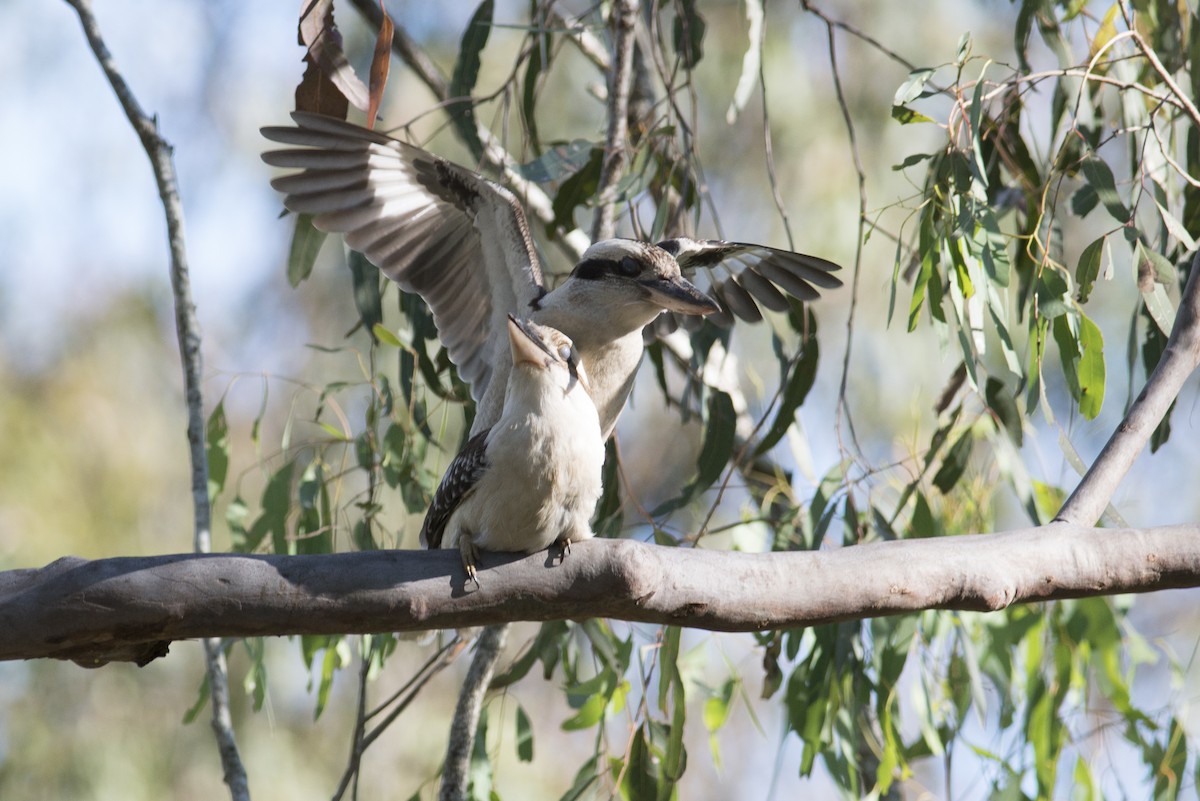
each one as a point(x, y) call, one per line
point(1037, 162)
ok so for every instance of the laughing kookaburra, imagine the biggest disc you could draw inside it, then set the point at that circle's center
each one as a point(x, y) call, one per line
point(533, 478)
point(463, 244)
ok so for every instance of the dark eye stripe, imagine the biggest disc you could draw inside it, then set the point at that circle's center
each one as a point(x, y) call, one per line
point(593, 269)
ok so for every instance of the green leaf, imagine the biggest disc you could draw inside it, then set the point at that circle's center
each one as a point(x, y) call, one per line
point(540, 49)
point(195, 709)
point(365, 278)
point(955, 463)
point(559, 161)
point(460, 107)
point(591, 713)
point(800, 381)
point(1052, 294)
point(1091, 368)
point(1004, 405)
point(715, 453)
point(906, 116)
point(1100, 177)
point(276, 503)
point(479, 785)
point(912, 88)
point(216, 448)
point(688, 34)
point(384, 335)
point(576, 191)
point(1068, 353)
point(306, 244)
point(1089, 268)
point(524, 736)
point(912, 160)
point(585, 777)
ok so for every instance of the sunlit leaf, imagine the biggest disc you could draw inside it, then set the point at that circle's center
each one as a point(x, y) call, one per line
point(1091, 368)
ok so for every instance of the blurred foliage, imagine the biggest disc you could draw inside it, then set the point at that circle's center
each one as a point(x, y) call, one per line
point(1073, 129)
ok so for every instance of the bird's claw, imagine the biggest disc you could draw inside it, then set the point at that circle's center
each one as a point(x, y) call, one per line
point(469, 554)
point(564, 545)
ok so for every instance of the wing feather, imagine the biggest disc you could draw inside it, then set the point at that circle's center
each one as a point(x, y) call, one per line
point(744, 277)
point(455, 238)
point(458, 483)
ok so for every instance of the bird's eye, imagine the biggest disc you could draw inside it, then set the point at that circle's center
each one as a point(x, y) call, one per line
point(564, 353)
point(629, 267)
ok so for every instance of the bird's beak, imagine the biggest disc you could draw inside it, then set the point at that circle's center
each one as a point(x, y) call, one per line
point(679, 295)
point(527, 346)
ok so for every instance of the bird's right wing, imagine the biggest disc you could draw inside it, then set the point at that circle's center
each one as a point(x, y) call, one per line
point(459, 482)
point(455, 238)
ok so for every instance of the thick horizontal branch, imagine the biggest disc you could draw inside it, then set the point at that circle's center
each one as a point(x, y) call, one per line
point(131, 608)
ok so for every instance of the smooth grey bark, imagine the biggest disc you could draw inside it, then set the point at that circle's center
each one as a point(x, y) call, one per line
point(129, 609)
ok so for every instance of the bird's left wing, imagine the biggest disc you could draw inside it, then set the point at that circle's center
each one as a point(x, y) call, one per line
point(741, 276)
point(455, 238)
point(461, 477)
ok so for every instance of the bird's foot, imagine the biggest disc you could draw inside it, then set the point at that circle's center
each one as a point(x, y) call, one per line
point(470, 554)
point(564, 546)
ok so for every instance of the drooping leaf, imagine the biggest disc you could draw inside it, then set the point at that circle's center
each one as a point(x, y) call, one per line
point(460, 107)
point(688, 34)
point(800, 380)
point(306, 244)
point(1089, 268)
point(1100, 177)
point(955, 463)
point(524, 736)
point(365, 280)
point(216, 445)
point(1091, 368)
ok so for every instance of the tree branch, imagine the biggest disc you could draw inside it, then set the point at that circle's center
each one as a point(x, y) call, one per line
point(114, 609)
point(624, 18)
point(187, 329)
point(1179, 360)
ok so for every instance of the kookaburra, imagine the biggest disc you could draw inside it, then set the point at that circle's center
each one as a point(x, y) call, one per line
point(463, 244)
point(532, 478)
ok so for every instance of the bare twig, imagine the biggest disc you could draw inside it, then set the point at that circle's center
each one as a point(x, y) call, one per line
point(843, 407)
point(188, 332)
point(1179, 360)
point(624, 18)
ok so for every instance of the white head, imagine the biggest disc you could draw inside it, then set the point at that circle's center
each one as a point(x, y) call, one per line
point(619, 286)
point(542, 349)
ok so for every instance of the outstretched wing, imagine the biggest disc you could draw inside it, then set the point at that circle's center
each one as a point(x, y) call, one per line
point(742, 276)
point(455, 238)
point(459, 482)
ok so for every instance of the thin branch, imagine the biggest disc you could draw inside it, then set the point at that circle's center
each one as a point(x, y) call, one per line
point(624, 19)
point(115, 609)
point(860, 172)
point(466, 714)
point(188, 332)
point(1179, 360)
